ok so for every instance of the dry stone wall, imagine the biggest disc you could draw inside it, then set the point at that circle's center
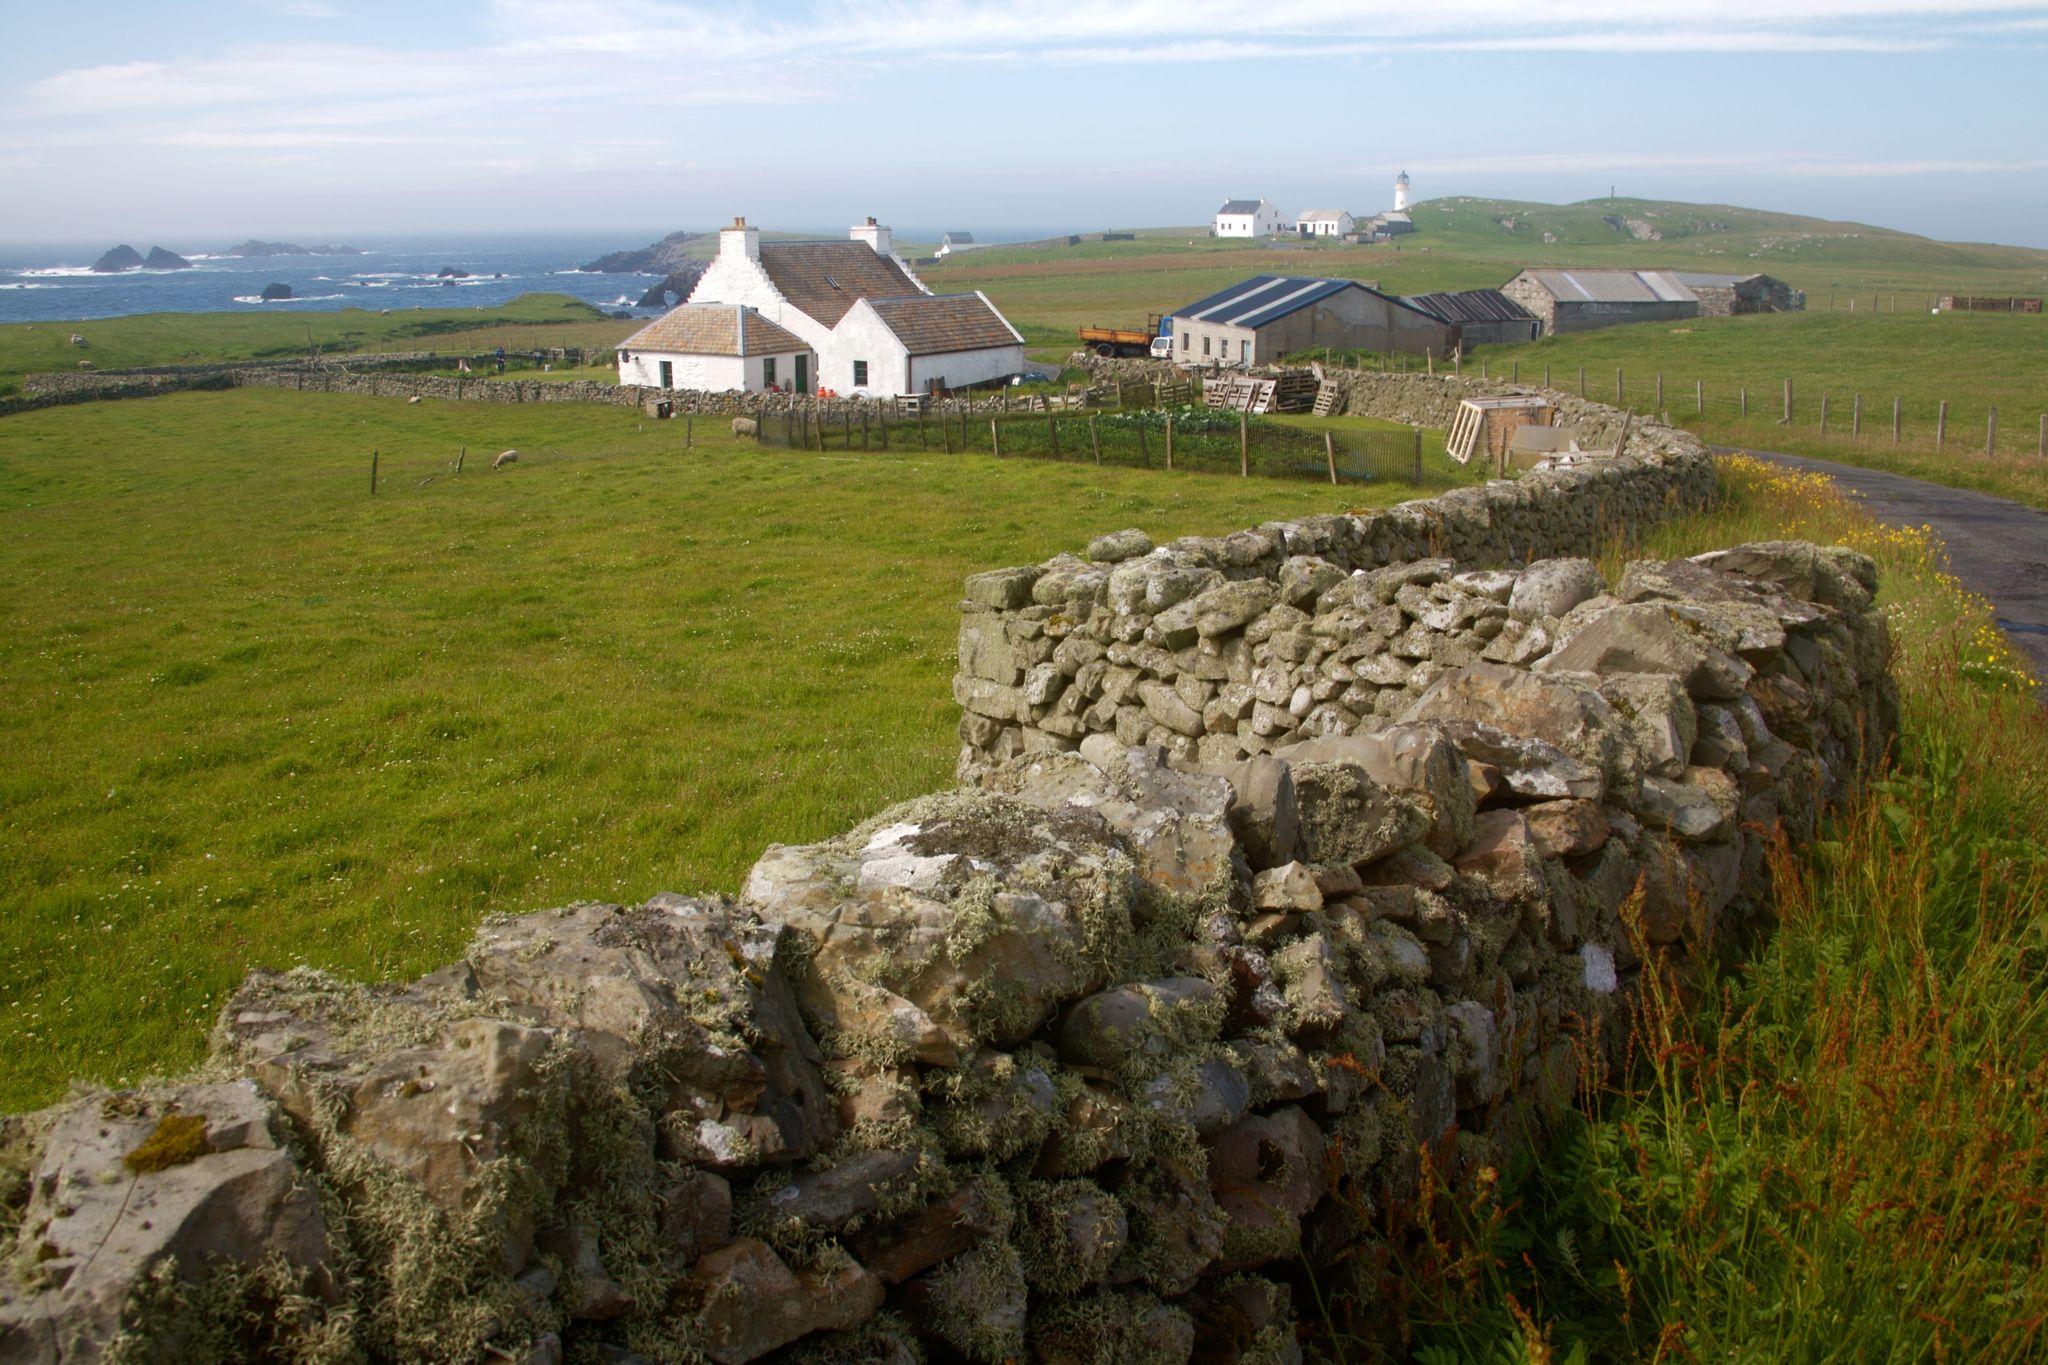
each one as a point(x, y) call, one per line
point(1095, 1059)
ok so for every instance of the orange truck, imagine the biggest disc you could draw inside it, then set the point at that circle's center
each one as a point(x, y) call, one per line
point(1155, 341)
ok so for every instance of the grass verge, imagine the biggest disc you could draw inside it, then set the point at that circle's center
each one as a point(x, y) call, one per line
point(1835, 1149)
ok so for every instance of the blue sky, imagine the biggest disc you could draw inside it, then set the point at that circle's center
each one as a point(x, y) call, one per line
point(191, 124)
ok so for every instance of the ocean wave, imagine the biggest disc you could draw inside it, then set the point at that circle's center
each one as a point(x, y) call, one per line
point(60, 271)
point(19, 285)
point(307, 298)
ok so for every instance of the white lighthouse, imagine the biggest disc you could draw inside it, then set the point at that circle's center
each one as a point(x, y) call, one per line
point(1401, 192)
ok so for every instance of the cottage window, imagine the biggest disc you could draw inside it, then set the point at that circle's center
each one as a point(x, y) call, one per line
point(1187, 340)
point(1205, 345)
point(1244, 350)
point(668, 374)
point(768, 372)
point(860, 374)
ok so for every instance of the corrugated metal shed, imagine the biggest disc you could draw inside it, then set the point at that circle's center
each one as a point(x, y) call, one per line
point(1262, 298)
point(1612, 286)
point(1472, 305)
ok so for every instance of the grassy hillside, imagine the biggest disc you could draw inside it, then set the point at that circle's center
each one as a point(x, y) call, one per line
point(1478, 243)
point(257, 716)
point(199, 338)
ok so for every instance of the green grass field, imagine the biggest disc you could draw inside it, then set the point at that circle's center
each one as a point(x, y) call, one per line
point(1974, 362)
point(202, 338)
point(258, 717)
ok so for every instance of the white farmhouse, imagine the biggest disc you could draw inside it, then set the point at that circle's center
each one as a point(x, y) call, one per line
point(1248, 218)
point(867, 323)
point(1325, 223)
point(716, 347)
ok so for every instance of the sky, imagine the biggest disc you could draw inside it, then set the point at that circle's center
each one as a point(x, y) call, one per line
point(200, 124)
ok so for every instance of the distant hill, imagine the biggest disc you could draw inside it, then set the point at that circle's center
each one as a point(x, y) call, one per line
point(1658, 231)
point(254, 247)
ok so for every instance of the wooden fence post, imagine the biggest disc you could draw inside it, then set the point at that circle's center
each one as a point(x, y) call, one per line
point(995, 438)
point(1744, 399)
point(1169, 440)
point(1823, 414)
point(1660, 390)
point(1330, 454)
point(1786, 420)
point(373, 473)
point(1991, 433)
point(460, 456)
point(1514, 371)
point(1244, 446)
point(1699, 398)
point(2041, 445)
point(1418, 457)
point(1582, 381)
point(1940, 425)
point(1856, 416)
point(1618, 400)
point(1546, 375)
point(1895, 419)
point(1094, 441)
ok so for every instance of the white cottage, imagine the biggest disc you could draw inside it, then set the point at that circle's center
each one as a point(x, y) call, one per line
point(1325, 223)
point(1248, 218)
point(716, 347)
point(870, 322)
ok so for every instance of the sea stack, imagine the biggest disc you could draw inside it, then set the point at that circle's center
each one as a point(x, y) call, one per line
point(159, 259)
point(122, 257)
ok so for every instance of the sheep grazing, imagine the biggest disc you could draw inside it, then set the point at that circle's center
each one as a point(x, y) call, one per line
point(745, 426)
point(505, 457)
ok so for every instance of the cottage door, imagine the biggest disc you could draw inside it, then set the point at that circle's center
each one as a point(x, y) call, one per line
point(803, 373)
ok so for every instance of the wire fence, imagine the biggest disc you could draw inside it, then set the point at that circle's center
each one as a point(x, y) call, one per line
point(1785, 405)
point(1190, 439)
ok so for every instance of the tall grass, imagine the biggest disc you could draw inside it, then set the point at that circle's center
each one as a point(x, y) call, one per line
point(1835, 1149)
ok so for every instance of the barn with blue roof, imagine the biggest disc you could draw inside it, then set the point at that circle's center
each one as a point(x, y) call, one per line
point(1261, 319)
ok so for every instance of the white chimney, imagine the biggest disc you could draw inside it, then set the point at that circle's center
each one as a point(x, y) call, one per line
point(876, 236)
point(740, 240)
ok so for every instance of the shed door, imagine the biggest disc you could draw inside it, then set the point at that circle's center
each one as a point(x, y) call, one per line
point(803, 372)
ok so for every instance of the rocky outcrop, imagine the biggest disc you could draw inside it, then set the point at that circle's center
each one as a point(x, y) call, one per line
point(274, 291)
point(119, 259)
point(671, 253)
point(160, 259)
point(1090, 1057)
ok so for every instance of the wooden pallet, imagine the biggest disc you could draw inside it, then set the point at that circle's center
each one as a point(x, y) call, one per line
point(1239, 393)
point(1329, 398)
point(1294, 391)
point(1178, 393)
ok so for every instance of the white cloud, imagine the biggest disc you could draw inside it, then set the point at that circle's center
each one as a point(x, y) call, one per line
point(1792, 165)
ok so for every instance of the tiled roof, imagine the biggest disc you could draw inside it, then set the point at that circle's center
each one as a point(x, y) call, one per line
point(1240, 206)
point(935, 324)
point(1320, 215)
point(714, 329)
point(1472, 305)
point(824, 279)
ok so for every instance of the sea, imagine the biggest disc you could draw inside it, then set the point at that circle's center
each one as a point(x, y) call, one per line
point(52, 283)
point(55, 282)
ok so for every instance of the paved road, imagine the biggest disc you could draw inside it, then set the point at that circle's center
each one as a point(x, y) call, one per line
point(1997, 547)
